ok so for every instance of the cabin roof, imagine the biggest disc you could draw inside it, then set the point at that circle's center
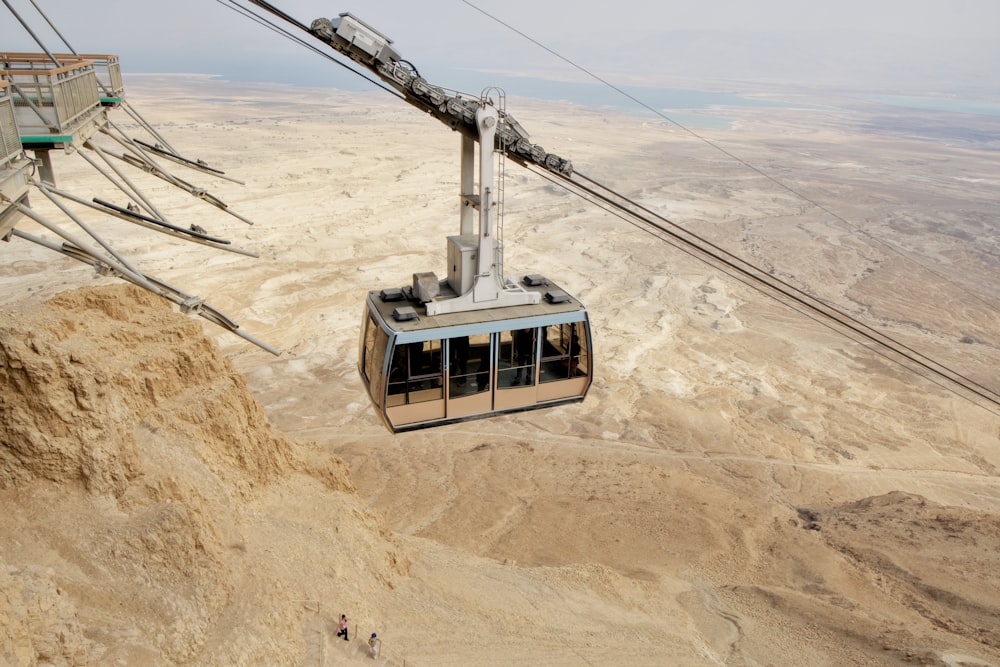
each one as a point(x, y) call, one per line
point(488, 319)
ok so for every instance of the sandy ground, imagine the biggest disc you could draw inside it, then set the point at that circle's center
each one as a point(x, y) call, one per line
point(742, 486)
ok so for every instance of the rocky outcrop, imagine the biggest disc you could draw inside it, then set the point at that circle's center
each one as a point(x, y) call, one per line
point(154, 516)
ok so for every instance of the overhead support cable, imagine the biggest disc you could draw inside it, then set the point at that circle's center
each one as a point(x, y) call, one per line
point(270, 25)
point(116, 263)
point(157, 222)
point(186, 302)
point(145, 162)
point(132, 191)
point(710, 253)
point(786, 294)
point(96, 251)
point(148, 222)
point(190, 234)
point(198, 165)
point(31, 32)
point(80, 223)
point(118, 266)
point(760, 172)
point(134, 114)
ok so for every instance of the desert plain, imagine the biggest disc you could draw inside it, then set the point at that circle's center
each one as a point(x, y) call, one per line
point(743, 485)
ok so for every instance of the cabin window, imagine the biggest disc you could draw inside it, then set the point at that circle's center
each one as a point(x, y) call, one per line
point(416, 373)
point(518, 349)
point(469, 365)
point(376, 341)
point(564, 353)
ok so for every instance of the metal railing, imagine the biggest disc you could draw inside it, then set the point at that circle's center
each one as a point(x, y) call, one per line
point(10, 140)
point(107, 68)
point(50, 99)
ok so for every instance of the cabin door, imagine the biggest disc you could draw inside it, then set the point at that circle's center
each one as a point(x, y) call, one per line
point(470, 375)
point(415, 388)
point(516, 369)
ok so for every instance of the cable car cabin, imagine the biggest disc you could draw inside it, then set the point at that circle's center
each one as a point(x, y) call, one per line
point(476, 344)
point(426, 370)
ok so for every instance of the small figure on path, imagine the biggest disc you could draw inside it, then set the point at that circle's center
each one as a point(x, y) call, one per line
point(343, 627)
point(375, 643)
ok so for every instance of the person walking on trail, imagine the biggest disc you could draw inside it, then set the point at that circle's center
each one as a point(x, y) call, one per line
point(342, 632)
point(375, 643)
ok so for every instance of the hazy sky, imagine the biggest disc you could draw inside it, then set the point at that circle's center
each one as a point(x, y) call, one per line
point(912, 43)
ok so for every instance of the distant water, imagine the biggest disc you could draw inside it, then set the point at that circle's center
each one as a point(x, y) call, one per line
point(682, 105)
point(948, 104)
point(687, 106)
point(599, 94)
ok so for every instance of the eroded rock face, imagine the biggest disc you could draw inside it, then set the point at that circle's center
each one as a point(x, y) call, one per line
point(38, 620)
point(79, 377)
point(153, 515)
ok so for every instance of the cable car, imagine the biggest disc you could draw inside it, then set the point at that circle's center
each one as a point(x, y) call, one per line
point(424, 371)
point(475, 344)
